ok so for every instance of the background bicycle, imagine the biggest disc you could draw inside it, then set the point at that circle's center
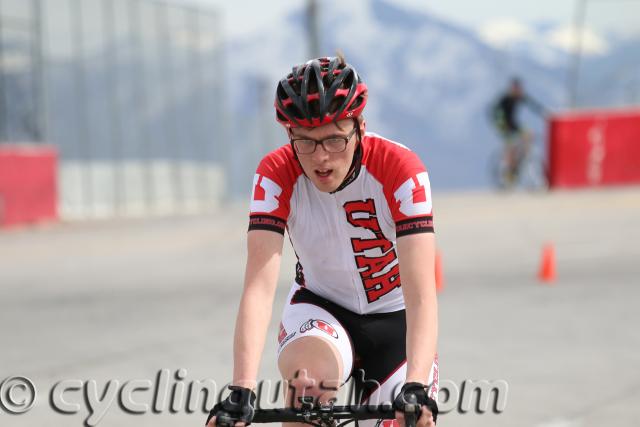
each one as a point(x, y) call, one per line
point(528, 170)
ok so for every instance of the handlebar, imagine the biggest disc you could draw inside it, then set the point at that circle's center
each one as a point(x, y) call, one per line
point(326, 414)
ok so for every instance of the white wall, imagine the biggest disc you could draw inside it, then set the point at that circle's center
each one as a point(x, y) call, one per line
point(101, 189)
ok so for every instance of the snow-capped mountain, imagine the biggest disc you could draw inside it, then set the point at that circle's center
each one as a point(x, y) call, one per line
point(545, 42)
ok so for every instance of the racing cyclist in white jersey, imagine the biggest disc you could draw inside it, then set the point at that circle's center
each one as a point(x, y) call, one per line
point(358, 211)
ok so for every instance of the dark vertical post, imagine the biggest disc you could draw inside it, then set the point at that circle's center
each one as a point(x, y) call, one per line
point(3, 101)
point(111, 65)
point(82, 124)
point(195, 91)
point(140, 99)
point(313, 28)
point(165, 56)
point(39, 104)
point(574, 71)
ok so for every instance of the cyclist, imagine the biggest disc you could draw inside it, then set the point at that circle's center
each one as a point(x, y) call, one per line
point(358, 211)
point(516, 139)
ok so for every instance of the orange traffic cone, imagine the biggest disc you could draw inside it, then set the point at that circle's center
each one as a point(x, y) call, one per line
point(439, 274)
point(547, 272)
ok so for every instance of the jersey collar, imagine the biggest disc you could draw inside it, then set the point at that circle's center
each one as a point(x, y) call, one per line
point(354, 169)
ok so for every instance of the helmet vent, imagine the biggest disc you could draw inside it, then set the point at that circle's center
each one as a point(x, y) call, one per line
point(336, 103)
point(294, 111)
point(357, 102)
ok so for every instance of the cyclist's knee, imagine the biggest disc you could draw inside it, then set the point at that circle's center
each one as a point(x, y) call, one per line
point(312, 367)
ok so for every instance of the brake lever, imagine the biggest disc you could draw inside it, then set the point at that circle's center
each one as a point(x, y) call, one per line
point(326, 413)
point(224, 419)
point(411, 410)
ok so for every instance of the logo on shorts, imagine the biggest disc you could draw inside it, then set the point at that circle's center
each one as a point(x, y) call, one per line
point(287, 339)
point(283, 338)
point(433, 392)
point(318, 324)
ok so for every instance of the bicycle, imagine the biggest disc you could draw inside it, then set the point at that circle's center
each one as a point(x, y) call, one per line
point(527, 167)
point(329, 415)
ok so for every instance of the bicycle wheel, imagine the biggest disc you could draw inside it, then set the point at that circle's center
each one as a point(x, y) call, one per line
point(533, 171)
point(502, 177)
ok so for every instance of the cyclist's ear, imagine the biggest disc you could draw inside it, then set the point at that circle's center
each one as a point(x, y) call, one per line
point(290, 135)
point(362, 125)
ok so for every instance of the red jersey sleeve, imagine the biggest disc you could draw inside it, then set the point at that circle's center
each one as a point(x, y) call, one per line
point(405, 183)
point(272, 188)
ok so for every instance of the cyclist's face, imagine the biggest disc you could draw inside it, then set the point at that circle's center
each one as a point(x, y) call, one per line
point(516, 90)
point(327, 170)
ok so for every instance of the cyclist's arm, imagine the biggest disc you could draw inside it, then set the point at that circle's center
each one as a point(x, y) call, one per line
point(535, 106)
point(261, 277)
point(416, 255)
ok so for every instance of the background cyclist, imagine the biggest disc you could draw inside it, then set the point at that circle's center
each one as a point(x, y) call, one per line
point(516, 138)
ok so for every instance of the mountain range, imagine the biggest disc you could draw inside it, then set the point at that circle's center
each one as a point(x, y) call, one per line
point(431, 82)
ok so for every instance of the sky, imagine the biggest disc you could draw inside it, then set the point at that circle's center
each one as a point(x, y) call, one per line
point(602, 15)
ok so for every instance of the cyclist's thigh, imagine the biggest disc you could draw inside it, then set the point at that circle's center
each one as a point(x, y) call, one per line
point(313, 339)
point(390, 387)
point(381, 343)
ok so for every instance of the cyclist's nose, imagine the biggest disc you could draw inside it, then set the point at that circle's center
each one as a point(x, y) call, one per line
point(320, 153)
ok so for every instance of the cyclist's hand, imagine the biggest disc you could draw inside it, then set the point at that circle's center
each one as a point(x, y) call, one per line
point(425, 420)
point(416, 392)
point(212, 423)
point(239, 406)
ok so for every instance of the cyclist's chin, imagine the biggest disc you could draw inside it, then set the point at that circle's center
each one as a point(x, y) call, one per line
point(328, 183)
point(325, 187)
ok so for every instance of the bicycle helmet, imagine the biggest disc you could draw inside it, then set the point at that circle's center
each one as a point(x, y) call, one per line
point(318, 92)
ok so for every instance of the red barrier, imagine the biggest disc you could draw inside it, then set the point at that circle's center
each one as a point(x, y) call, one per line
point(28, 184)
point(594, 148)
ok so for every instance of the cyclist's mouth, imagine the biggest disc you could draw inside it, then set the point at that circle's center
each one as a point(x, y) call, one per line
point(323, 173)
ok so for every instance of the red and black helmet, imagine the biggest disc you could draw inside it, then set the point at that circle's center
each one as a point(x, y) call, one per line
point(319, 92)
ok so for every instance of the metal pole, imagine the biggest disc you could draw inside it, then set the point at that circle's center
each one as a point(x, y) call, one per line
point(3, 101)
point(574, 73)
point(222, 110)
point(38, 73)
point(111, 65)
point(82, 125)
point(313, 29)
point(168, 97)
point(197, 125)
point(140, 100)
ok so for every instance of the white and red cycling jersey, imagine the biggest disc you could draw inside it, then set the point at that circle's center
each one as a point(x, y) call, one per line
point(345, 241)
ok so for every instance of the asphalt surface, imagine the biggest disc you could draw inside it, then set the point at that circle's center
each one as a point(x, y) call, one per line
point(107, 303)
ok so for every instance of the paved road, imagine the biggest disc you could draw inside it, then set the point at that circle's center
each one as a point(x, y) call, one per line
point(122, 300)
